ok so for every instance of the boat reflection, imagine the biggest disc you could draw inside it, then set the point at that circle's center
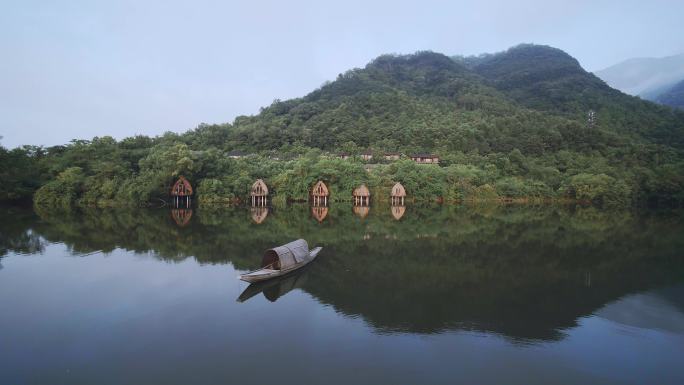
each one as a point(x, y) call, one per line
point(276, 287)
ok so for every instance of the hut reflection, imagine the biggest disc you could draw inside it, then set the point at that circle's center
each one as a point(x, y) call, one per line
point(398, 212)
point(181, 216)
point(259, 214)
point(361, 211)
point(319, 212)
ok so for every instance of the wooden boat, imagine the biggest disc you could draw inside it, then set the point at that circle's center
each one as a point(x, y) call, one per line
point(282, 260)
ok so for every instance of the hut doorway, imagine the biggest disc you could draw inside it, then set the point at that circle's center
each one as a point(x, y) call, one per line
point(259, 193)
point(181, 193)
point(361, 196)
point(319, 194)
point(398, 194)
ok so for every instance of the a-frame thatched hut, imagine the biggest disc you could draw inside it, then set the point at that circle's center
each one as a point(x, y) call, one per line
point(319, 194)
point(361, 196)
point(398, 194)
point(181, 192)
point(259, 193)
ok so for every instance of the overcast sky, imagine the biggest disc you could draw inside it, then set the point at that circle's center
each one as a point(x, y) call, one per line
point(78, 69)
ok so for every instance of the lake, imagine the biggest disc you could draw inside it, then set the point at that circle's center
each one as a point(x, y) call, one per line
point(416, 295)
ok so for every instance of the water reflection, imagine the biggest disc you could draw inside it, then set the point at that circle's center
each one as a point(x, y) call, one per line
point(259, 214)
point(523, 272)
point(181, 216)
point(398, 212)
point(361, 211)
point(319, 212)
point(277, 287)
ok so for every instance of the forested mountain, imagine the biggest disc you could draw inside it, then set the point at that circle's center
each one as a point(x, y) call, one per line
point(513, 124)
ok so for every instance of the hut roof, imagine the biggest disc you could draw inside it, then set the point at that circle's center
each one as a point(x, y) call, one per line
point(320, 189)
point(181, 188)
point(367, 152)
point(287, 255)
point(398, 190)
point(259, 188)
point(424, 155)
point(361, 191)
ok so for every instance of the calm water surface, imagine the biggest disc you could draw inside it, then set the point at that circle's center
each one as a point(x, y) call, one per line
point(494, 295)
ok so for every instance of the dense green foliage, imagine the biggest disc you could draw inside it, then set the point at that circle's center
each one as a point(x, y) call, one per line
point(507, 125)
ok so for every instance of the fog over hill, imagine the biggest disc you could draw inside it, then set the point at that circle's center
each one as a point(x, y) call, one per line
point(645, 77)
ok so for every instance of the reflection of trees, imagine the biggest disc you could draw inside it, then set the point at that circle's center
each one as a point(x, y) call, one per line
point(519, 271)
point(15, 232)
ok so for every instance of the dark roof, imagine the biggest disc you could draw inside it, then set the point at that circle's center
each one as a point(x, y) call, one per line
point(424, 155)
point(343, 153)
point(368, 152)
point(391, 153)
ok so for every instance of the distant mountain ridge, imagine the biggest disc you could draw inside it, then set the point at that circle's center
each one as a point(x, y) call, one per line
point(673, 97)
point(647, 78)
point(399, 102)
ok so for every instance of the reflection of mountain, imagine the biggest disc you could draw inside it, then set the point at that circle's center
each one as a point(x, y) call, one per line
point(655, 309)
point(497, 290)
point(522, 272)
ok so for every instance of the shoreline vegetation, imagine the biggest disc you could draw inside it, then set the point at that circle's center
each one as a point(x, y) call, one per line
point(290, 181)
point(527, 124)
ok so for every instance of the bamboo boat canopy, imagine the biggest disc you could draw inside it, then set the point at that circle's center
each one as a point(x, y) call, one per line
point(398, 190)
point(361, 191)
point(259, 188)
point(181, 188)
point(285, 256)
